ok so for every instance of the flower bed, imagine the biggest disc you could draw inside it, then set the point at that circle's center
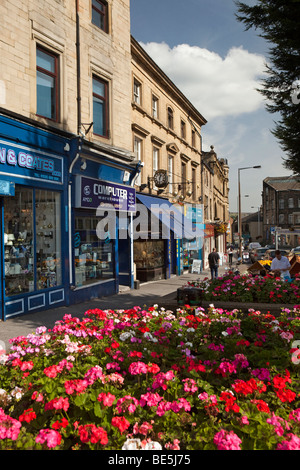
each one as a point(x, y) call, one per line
point(250, 288)
point(138, 379)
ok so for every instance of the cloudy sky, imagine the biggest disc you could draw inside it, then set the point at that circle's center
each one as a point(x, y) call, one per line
point(218, 65)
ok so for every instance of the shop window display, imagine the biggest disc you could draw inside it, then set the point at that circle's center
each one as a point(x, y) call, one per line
point(149, 259)
point(18, 242)
point(48, 235)
point(93, 257)
point(149, 254)
point(32, 262)
point(191, 251)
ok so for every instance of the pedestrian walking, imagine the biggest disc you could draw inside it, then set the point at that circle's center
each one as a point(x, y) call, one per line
point(230, 254)
point(213, 260)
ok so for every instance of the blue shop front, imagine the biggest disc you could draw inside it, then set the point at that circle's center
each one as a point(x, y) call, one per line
point(190, 250)
point(55, 193)
point(33, 226)
point(101, 246)
point(160, 253)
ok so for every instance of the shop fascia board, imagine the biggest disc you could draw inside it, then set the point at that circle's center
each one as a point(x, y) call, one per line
point(112, 155)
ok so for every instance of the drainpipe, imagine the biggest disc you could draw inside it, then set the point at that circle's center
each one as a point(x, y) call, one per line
point(70, 207)
point(80, 136)
point(78, 69)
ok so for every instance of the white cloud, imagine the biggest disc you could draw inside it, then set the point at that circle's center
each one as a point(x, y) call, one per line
point(216, 86)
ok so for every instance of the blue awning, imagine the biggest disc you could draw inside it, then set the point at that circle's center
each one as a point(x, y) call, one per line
point(172, 218)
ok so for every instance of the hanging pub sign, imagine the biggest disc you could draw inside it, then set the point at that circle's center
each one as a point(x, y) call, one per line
point(25, 162)
point(92, 193)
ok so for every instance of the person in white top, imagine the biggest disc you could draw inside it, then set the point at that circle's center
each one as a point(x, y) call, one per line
point(280, 265)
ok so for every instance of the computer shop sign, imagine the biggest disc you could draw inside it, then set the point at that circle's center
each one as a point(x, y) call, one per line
point(95, 194)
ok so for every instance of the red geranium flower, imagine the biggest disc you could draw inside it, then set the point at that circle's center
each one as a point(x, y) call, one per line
point(121, 423)
point(27, 415)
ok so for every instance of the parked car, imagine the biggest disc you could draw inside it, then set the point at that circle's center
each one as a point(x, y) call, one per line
point(296, 251)
point(258, 253)
point(254, 245)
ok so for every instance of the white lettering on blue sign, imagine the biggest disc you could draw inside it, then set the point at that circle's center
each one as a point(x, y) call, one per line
point(110, 191)
point(26, 160)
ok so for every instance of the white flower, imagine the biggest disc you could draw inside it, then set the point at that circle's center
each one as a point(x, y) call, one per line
point(190, 330)
point(199, 311)
point(132, 444)
point(3, 358)
point(148, 336)
point(16, 393)
point(153, 445)
point(124, 336)
point(224, 333)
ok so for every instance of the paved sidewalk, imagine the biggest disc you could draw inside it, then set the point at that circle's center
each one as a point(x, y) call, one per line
point(161, 292)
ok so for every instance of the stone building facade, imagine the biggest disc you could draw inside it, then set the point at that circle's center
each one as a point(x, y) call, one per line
point(281, 208)
point(167, 135)
point(81, 107)
point(166, 130)
point(65, 150)
point(215, 180)
point(84, 41)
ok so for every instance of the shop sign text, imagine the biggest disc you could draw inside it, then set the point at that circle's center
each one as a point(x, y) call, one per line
point(30, 164)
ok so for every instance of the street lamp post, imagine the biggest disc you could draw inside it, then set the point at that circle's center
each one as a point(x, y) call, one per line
point(240, 209)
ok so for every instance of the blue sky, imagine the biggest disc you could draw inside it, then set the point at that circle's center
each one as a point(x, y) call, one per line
point(210, 57)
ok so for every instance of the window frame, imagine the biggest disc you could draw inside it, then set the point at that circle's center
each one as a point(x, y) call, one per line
point(105, 100)
point(194, 183)
point(138, 153)
point(193, 138)
point(55, 76)
point(170, 117)
point(155, 113)
point(104, 14)
point(183, 177)
point(137, 92)
point(170, 172)
point(155, 161)
point(182, 129)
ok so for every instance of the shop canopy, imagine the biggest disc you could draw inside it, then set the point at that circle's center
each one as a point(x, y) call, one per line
point(171, 217)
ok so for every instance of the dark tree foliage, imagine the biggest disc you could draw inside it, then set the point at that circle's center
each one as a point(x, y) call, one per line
point(278, 21)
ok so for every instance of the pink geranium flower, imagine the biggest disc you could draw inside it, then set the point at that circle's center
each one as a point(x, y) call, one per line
point(227, 440)
point(51, 437)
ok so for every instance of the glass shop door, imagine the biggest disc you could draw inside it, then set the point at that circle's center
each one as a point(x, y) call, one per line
point(1, 262)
